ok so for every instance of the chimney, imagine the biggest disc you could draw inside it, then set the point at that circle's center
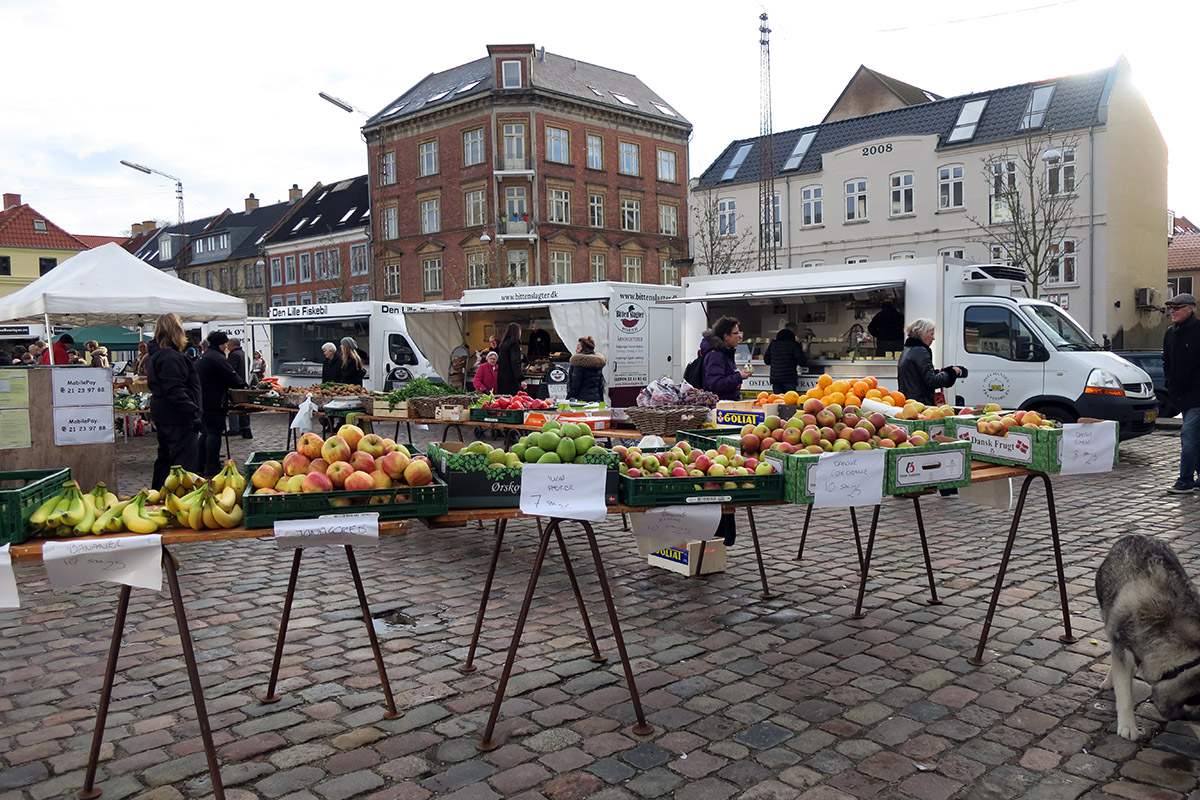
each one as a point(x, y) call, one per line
point(294, 193)
point(11, 200)
point(251, 202)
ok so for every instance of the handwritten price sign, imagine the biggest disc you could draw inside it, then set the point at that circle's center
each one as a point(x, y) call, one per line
point(567, 491)
point(357, 530)
point(849, 478)
point(131, 560)
point(674, 526)
point(8, 581)
point(1088, 447)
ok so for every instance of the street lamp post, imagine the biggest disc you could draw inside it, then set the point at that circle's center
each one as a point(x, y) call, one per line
point(178, 184)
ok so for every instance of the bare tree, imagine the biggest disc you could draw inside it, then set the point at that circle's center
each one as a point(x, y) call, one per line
point(723, 242)
point(1033, 185)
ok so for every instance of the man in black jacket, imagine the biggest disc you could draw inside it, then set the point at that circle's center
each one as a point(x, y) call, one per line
point(785, 356)
point(238, 423)
point(216, 379)
point(1181, 365)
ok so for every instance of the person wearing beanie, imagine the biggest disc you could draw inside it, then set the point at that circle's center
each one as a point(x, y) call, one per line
point(351, 365)
point(60, 350)
point(217, 377)
point(587, 372)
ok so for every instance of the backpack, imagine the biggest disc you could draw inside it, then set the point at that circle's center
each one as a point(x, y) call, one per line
point(693, 373)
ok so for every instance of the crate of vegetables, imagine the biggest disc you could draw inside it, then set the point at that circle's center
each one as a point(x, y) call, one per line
point(511, 410)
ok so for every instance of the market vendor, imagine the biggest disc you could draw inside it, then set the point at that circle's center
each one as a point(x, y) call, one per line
point(539, 342)
point(887, 327)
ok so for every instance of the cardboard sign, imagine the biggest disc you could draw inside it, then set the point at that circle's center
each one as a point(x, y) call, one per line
point(83, 425)
point(131, 560)
point(82, 386)
point(567, 491)
point(8, 581)
point(849, 478)
point(673, 526)
point(1088, 447)
point(357, 530)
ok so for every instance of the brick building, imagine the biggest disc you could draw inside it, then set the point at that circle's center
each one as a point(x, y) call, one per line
point(525, 168)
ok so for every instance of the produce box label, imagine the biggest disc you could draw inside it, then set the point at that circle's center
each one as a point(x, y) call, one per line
point(937, 466)
point(1014, 447)
point(735, 416)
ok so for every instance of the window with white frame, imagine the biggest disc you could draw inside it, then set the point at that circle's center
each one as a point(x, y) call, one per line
point(322, 265)
point(558, 145)
point(968, 121)
point(797, 154)
point(595, 151)
point(360, 293)
point(813, 263)
point(668, 272)
point(953, 252)
point(291, 300)
point(1062, 264)
point(812, 206)
point(305, 267)
point(224, 279)
point(631, 215)
point(276, 300)
point(198, 247)
point(431, 270)
point(335, 263)
point(165, 249)
point(856, 260)
point(514, 202)
point(431, 215)
point(387, 168)
point(472, 147)
point(289, 269)
point(950, 187)
point(514, 145)
point(1003, 190)
point(518, 267)
point(358, 259)
point(258, 273)
point(427, 158)
point(596, 210)
point(475, 208)
point(477, 270)
point(223, 241)
point(668, 219)
point(559, 206)
point(391, 280)
point(276, 272)
point(856, 200)
point(631, 269)
point(727, 217)
point(903, 255)
point(1060, 175)
point(1181, 284)
point(511, 74)
point(560, 266)
point(599, 267)
point(999, 255)
point(389, 226)
point(630, 157)
point(666, 165)
point(903, 202)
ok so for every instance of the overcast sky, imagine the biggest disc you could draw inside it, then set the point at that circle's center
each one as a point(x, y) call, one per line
point(224, 94)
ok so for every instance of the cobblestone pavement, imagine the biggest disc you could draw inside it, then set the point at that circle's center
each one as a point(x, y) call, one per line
point(753, 698)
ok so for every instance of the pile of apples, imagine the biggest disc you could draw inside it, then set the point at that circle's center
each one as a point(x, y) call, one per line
point(518, 402)
point(349, 460)
point(826, 429)
point(994, 422)
point(685, 461)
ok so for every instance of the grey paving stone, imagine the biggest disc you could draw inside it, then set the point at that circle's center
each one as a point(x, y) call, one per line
point(459, 776)
point(611, 770)
point(764, 735)
point(646, 756)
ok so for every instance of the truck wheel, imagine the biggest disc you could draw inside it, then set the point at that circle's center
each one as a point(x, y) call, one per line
point(1057, 413)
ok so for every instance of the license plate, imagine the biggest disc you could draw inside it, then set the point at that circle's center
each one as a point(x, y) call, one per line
point(1151, 416)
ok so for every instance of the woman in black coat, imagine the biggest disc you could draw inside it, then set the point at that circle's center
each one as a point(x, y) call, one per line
point(510, 377)
point(352, 371)
point(174, 399)
point(785, 356)
point(587, 372)
point(915, 373)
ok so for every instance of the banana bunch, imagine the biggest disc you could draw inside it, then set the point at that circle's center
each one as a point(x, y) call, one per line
point(71, 512)
point(230, 476)
point(179, 482)
point(203, 508)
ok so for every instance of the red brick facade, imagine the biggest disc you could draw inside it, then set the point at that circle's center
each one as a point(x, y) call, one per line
point(340, 288)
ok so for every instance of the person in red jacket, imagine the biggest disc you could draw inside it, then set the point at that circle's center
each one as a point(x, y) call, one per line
point(61, 350)
point(487, 374)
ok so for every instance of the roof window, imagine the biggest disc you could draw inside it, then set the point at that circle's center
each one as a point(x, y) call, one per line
point(39, 226)
point(468, 87)
point(299, 224)
point(596, 91)
point(438, 96)
point(799, 150)
point(314, 221)
point(1035, 112)
point(347, 215)
point(623, 100)
point(664, 109)
point(968, 120)
point(395, 108)
point(738, 158)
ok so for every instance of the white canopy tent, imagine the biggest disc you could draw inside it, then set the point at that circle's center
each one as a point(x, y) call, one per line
point(109, 286)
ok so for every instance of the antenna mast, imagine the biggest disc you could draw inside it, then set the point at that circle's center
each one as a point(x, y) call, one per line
point(769, 233)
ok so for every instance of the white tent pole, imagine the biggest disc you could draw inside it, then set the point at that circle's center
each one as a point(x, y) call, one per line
point(49, 338)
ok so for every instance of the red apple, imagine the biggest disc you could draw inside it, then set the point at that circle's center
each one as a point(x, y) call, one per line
point(295, 464)
point(394, 464)
point(382, 479)
point(316, 482)
point(310, 445)
point(351, 434)
point(418, 473)
point(318, 465)
point(358, 481)
point(266, 476)
point(371, 444)
point(336, 449)
point(338, 471)
point(362, 461)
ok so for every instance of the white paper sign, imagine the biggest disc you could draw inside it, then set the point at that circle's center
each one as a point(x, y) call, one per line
point(357, 530)
point(83, 425)
point(568, 491)
point(994, 494)
point(1088, 447)
point(674, 526)
point(82, 386)
point(8, 581)
point(849, 478)
point(131, 560)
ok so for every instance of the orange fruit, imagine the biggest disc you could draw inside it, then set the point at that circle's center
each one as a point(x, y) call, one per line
point(839, 386)
point(763, 396)
point(814, 393)
point(836, 397)
point(874, 394)
point(824, 380)
point(874, 384)
point(853, 401)
point(860, 387)
point(791, 398)
point(898, 398)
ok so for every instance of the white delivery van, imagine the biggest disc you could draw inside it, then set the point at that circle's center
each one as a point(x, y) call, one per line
point(379, 329)
point(635, 332)
point(1019, 352)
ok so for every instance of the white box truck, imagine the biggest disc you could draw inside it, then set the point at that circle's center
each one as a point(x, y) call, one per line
point(634, 330)
point(1019, 352)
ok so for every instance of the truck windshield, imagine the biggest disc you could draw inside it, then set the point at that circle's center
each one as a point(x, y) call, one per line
point(1062, 332)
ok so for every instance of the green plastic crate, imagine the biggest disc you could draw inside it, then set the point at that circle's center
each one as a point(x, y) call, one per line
point(641, 492)
point(1039, 449)
point(473, 484)
point(509, 417)
point(705, 438)
point(21, 493)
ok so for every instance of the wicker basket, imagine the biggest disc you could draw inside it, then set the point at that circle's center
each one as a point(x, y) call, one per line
point(425, 407)
point(665, 420)
point(242, 396)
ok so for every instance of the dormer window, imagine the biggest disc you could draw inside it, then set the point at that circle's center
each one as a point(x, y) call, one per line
point(164, 248)
point(39, 226)
point(1035, 112)
point(968, 121)
point(511, 74)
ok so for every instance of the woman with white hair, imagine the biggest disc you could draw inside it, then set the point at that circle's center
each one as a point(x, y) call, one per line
point(915, 373)
point(331, 368)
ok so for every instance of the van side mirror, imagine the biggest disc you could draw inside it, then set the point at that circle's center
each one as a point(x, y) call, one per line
point(1029, 349)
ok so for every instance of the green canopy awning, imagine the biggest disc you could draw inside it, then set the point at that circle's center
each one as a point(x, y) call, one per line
point(114, 337)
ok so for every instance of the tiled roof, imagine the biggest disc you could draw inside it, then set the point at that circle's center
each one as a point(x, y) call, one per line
point(1073, 106)
point(96, 241)
point(329, 209)
point(247, 232)
point(134, 243)
point(148, 252)
point(17, 229)
point(1184, 252)
point(551, 73)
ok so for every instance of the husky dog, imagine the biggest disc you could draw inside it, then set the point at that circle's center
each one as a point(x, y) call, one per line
point(1151, 613)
